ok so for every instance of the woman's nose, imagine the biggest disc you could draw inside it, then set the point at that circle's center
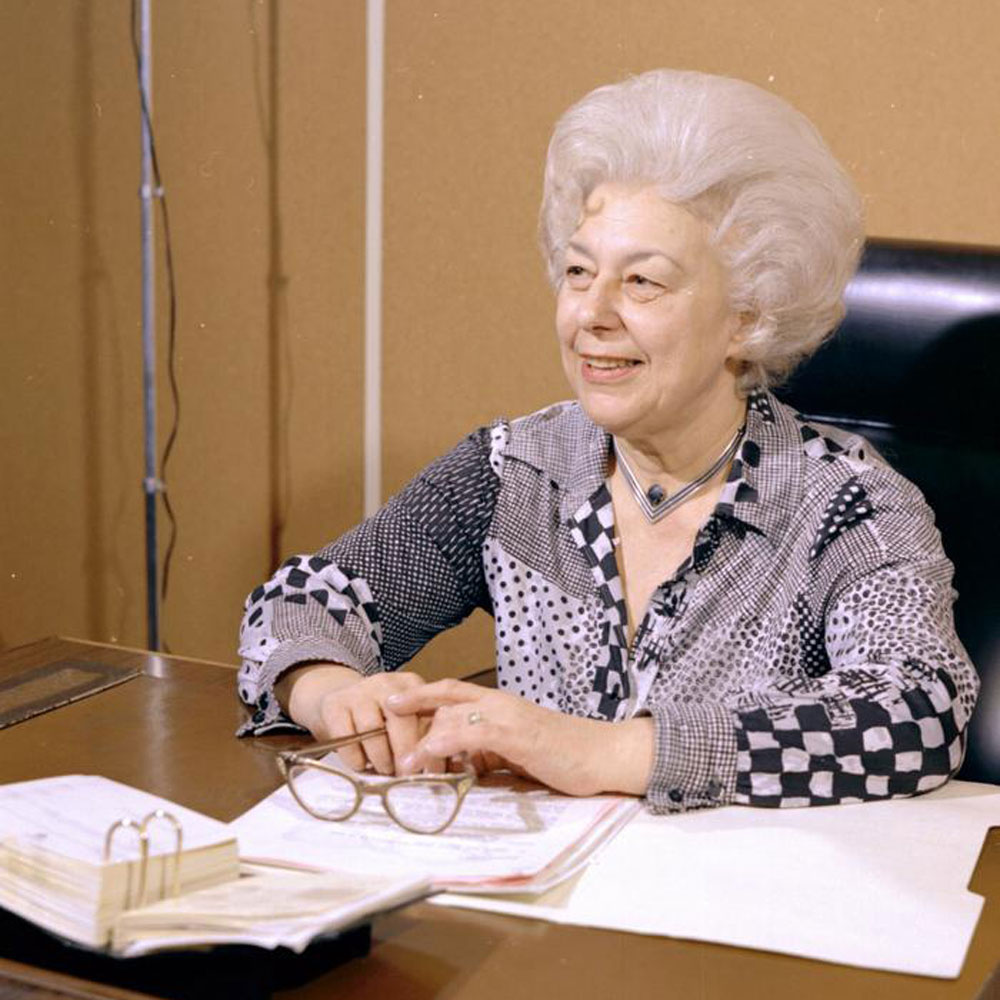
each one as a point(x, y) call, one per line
point(599, 307)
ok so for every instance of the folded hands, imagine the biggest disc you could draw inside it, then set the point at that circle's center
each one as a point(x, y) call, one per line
point(428, 724)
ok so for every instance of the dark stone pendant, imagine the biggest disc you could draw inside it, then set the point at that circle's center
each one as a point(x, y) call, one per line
point(655, 494)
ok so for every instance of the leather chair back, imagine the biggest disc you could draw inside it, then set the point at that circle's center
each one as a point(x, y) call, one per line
point(915, 368)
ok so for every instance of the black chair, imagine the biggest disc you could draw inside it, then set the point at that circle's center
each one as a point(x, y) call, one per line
point(914, 367)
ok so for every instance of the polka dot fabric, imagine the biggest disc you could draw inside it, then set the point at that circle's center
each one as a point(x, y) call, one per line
point(545, 638)
point(803, 654)
point(849, 506)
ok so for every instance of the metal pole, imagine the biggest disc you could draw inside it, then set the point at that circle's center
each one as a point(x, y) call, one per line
point(151, 482)
point(373, 256)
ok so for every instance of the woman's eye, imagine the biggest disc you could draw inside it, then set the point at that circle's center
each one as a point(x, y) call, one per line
point(642, 281)
point(574, 271)
point(643, 288)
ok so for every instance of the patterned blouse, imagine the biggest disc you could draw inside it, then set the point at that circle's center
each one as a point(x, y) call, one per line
point(803, 654)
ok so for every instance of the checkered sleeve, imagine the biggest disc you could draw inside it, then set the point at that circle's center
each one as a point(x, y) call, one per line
point(886, 719)
point(876, 705)
point(879, 706)
point(374, 597)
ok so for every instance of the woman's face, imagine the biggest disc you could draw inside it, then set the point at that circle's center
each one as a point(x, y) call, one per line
point(644, 326)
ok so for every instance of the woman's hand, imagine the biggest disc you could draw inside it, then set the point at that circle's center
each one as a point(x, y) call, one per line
point(569, 754)
point(332, 700)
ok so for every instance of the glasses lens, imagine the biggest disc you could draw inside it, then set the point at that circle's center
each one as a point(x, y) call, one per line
point(422, 806)
point(324, 794)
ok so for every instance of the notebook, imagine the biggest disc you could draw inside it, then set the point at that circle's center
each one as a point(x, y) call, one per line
point(109, 866)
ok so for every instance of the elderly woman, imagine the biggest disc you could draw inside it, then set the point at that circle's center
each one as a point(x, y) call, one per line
point(699, 597)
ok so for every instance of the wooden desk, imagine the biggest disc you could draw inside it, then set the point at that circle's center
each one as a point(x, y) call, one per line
point(169, 731)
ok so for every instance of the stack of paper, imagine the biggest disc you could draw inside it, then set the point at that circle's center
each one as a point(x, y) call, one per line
point(52, 867)
point(510, 836)
point(265, 907)
point(53, 873)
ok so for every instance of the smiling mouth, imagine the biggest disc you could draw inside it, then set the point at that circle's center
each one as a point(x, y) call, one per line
point(609, 364)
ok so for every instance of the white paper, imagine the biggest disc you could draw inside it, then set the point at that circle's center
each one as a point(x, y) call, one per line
point(268, 908)
point(880, 885)
point(507, 830)
point(70, 815)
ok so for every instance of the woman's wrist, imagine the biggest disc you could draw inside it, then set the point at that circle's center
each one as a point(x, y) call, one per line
point(624, 755)
point(300, 691)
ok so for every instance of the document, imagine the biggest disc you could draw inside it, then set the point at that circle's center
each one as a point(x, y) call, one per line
point(53, 834)
point(265, 907)
point(187, 891)
point(70, 815)
point(881, 885)
point(509, 835)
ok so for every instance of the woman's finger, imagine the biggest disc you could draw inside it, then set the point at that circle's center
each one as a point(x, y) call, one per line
point(430, 697)
point(450, 734)
point(493, 762)
point(338, 722)
point(435, 765)
point(367, 715)
point(481, 761)
point(404, 732)
point(420, 761)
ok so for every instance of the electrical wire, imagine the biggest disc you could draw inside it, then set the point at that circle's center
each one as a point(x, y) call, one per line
point(168, 257)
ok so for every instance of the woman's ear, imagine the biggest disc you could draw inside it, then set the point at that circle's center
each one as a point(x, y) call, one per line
point(741, 326)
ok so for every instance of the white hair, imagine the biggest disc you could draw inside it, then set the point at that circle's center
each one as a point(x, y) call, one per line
point(787, 220)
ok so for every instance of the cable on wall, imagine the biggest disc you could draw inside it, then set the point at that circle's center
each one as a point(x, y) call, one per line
point(159, 485)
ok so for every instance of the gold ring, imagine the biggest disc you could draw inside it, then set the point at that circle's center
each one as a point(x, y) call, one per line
point(474, 717)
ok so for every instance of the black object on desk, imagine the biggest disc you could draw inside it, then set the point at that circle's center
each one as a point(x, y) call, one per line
point(243, 971)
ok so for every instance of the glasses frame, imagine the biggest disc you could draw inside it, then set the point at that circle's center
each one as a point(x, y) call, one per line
point(461, 781)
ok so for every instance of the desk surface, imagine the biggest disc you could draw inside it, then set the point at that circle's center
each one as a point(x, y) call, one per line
point(169, 731)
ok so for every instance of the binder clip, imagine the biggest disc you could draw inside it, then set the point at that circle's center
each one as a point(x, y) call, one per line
point(141, 829)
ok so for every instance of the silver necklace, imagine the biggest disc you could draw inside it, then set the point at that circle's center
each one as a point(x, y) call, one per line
point(654, 502)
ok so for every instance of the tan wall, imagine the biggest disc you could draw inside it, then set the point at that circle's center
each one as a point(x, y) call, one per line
point(269, 249)
point(907, 93)
point(266, 205)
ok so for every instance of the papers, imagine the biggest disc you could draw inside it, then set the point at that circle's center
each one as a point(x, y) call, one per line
point(52, 872)
point(52, 868)
point(70, 815)
point(509, 835)
point(880, 885)
point(265, 907)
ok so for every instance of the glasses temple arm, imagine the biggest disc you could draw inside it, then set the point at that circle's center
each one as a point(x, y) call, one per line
point(341, 741)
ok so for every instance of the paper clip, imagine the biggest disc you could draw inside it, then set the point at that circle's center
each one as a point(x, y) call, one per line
point(175, 886)
point(130, 824)
point(141, 829)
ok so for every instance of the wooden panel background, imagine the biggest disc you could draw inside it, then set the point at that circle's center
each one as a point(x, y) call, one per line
point(260, 112)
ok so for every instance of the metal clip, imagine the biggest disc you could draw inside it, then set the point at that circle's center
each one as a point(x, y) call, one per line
point(141, 829)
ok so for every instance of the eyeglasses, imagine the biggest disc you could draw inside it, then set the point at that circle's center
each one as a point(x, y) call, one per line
point(420, 803)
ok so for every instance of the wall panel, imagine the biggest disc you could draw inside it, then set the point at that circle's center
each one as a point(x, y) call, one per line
point(905, 91)
point(259, 110)
point(70, 520)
